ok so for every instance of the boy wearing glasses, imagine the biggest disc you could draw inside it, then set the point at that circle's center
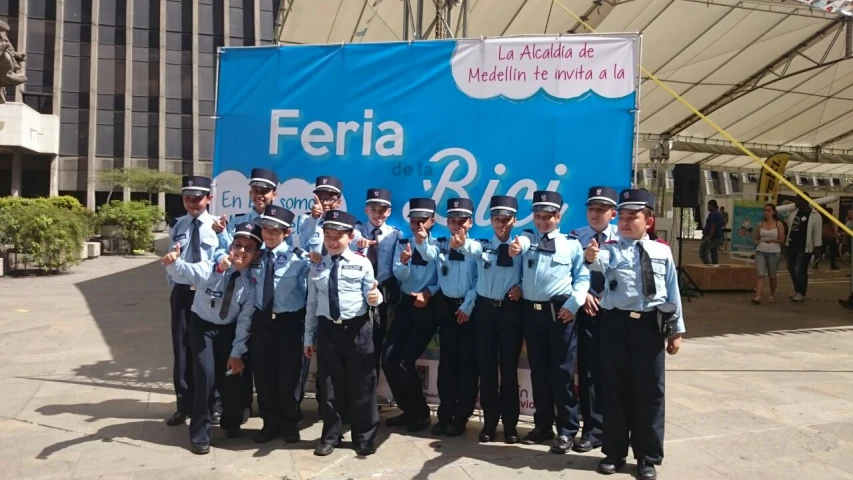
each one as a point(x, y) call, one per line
point(278, 327)
point(219, 327)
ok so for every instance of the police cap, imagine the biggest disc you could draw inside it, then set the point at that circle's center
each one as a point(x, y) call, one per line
point(547, 201)
point(276, 217)
point(338, 220)
point(195, 186)
point(261, 177)
point(460, 207)
point(635, 199)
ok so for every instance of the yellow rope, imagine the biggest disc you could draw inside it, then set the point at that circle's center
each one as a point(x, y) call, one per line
point(722, 132)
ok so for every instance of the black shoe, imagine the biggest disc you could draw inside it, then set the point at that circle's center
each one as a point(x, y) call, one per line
point(440, 428)
point(232, 433)
point(215, 418)
point(646, 471)
point(397, 421)
point(562, 444)
point(537, 435)
point(266, 435)
point(324, 449)
point(487, 435)
point(292, 438)
point(510, 436)
point(418, 425)
point(365, 448)
point(583, 445)
point(200, 449)
point(609, 466)
point(456, 429)
point(247, 414)
point(176, 419)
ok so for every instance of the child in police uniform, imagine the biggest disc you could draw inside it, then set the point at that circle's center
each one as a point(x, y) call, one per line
point(219, 327)
point(641, 316)
point(338, 326)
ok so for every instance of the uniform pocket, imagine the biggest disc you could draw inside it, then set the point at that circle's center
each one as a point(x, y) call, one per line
point(659, 268)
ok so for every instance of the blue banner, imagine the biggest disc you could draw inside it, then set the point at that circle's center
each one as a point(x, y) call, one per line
point(439, 119)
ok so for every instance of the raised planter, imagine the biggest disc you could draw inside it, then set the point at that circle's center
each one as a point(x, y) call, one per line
point(111, 231)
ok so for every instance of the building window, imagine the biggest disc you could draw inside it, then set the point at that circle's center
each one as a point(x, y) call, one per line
point(146, 14)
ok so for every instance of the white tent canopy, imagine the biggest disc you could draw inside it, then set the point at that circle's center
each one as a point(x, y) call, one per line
point(777, 75)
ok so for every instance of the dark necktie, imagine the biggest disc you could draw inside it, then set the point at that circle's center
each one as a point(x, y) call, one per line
point(417, 259)
point(229, 292)
point(334, 301)
point(648, 273)
point(195, 243)
point(504, 260)
point(269, 282)
point(373, 251)
point(596, 279)
point(547, 245)
point(456, 256)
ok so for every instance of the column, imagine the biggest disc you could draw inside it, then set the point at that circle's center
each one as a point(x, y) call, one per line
point(195, 29)
point(93, 107)
point(161, 107)
point(256, 12)
point(57, 88)
point(17, 167)
point(21, 46)
point(128, 92)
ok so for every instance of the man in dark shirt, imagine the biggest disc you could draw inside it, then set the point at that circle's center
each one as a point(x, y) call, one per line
point(712, 235)
point(800, 248)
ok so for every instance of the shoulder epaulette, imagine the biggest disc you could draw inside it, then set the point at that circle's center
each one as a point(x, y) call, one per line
point(571, 236)
point(483, 240)
point(358, 222)
point(528, 230)
point(395, 228)
point(298, 251)
point(360, 254)
point(404, 241)
point(573, 232)
point(609, 242)
point(442, 239)
point(661, 241)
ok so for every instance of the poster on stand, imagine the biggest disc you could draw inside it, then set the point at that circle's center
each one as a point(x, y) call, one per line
point(450, 118)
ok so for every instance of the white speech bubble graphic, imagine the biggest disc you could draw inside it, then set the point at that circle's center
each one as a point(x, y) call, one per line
point(231, 196)
point(564, 66)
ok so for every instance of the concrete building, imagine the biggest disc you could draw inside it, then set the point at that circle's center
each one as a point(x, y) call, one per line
point(117, 83)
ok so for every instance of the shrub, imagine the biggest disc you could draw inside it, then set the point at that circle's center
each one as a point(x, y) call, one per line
point(65, 202)
point(136, 219)
point(52, 236)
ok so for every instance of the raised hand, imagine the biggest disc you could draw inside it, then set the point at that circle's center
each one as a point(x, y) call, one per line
point(591, 252)
point(317, 208)
point(515, 247)
point(315, 258)
point(219, 224)
point(373, 294)
point(421, 235)
point(365, 242)
point(172, 256)
point(406, 254)
point(225, 263)
point(458, 240)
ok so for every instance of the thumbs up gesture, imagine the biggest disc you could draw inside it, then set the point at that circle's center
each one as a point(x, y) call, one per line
point(219, 224)
point(373, 295)
point(515, 247)
point(591, 251)
point(406, 254)
point(317, 208)
point(458, 240)
point(225, 263)
point(172, 256)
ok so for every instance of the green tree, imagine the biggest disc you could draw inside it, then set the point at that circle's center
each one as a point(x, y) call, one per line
point(141, 178)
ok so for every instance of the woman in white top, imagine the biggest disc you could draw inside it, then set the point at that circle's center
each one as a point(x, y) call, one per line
point(769, 236)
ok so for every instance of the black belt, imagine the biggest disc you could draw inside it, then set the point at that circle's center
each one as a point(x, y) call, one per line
point(285, 314)
point(538, 305)
point(342, 321)
point(185, 287)
point(492, 302)
point(455, 301)
point(634, 314)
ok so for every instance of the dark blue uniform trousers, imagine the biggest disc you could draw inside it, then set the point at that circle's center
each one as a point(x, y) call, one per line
point(457, 367)
point(181, 301)
point(589, 375)
point(408, 336)
point(347, 371)
point(551, 351)
point(279, 362)
point(211, 347)
point(632, 365)
point(498, 336)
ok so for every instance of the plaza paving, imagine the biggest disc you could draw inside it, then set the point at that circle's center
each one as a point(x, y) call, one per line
point(85, 385)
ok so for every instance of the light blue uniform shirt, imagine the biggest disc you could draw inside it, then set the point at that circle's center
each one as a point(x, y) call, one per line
point(227, 236)
point(388, 239)
point(493, 282)
point(546, 275)
point(311, 233)
point(181, 233)
point(585, 235)
point(209, 297)
point(290, 279)
point(461, 278)
point(619, 260)
point(416, 278)
point(355, 280)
